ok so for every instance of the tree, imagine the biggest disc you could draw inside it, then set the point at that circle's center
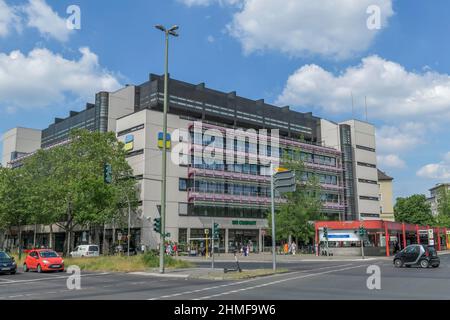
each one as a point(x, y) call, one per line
point(295, 217)
point(69, 183)
point(414, 209)
point(443, 218)
point(14, 210)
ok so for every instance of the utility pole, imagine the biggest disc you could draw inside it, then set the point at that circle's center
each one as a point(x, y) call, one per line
point(167, 33)
point(129, 225)
point(212, 245)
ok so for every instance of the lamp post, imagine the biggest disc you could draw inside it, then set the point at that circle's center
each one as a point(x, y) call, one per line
point(168, 33)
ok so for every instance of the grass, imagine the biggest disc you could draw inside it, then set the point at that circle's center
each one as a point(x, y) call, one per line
point(121, 263)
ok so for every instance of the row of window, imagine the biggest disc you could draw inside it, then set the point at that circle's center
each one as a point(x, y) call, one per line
point(323, 178)
point(227, 212)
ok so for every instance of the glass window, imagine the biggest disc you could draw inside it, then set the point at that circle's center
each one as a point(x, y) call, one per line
point(182, 184)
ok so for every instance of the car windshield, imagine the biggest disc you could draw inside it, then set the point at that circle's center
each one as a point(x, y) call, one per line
point(48, 254)
point(4, 255)
point(93, 248)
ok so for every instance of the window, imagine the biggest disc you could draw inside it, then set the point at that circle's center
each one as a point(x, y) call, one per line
point(182, 209)
point(182, 184)
point(369, 198)
point(365, 148)
point(363, 164)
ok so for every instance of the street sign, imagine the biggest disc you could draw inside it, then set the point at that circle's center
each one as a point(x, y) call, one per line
point(159, 208)
point(430, 234)
point(284, 182)
point(206, 231)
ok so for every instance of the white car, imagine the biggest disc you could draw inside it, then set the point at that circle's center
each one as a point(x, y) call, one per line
point(85, 251)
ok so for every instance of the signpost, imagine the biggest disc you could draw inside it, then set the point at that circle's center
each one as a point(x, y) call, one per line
point(362, 232)
point(206, 233)
point(282, 181)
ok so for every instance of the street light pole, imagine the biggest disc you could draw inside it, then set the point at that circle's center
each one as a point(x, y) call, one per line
point(129, 225)
point(167, 33)
point(272, 191)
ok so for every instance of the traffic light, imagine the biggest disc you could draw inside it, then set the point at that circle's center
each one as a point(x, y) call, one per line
point(107, 173)
point(325, 233)
point(215, 231)
point(362, 231)
point(157, 225)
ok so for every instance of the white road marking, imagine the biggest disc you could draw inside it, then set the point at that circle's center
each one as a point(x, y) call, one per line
point(50, 278)
point(238, 283)
point(277, 282)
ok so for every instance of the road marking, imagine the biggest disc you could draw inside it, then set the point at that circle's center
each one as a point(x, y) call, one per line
point(277, 282)
point(50, 278)
point(239, 282)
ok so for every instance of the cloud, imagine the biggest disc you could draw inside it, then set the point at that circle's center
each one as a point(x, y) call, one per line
point(206, 3)
point(210, 39)
point(8, 19)
point(43, 78)
point(336, 29)
point(404, 136)
point(391, 90)
point(440, 171)
point(42, 17)
point(391, 161)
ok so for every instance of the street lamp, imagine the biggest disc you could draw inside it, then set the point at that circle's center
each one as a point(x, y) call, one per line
point(167, 32)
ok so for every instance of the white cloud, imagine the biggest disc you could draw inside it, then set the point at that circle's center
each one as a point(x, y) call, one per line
point(210, 39)
point(42, 17)
point(391, 161)
point(392, 92)
point(8, 19)
point(404, 136)
point(440, 171)
point(43, 78)
point(205, 3)
point(336, 29)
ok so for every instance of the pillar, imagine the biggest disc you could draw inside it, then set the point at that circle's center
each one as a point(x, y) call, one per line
point(386, 237)
point(417, 234)
point(260, 241)
point(226, 240)
point(404, 235)
point(439, 238)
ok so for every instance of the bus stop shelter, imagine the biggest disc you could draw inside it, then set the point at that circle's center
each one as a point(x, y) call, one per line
point(383, 237)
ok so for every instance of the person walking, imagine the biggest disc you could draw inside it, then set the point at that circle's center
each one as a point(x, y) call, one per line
point(286, 248)
point(294, 248)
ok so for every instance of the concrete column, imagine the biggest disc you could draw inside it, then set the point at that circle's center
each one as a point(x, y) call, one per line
point(260, 241)
point(226, 240)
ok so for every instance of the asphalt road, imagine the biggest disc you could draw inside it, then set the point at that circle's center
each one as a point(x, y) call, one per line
point(306, 280)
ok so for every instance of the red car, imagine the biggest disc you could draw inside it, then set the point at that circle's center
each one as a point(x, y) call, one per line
point(43, 260)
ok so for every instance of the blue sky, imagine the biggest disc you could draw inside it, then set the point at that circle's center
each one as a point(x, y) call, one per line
point(311, 55)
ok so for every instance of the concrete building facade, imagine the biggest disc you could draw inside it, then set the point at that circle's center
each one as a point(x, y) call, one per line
point(386, 195)
point(236, 195)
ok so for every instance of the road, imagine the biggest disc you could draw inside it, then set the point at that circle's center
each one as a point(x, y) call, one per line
point(325, 280)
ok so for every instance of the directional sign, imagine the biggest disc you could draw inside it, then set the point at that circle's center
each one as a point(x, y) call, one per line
point(430, 234)
point(284, 182)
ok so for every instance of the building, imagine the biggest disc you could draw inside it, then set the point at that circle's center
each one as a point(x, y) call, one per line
point(386, 196)
point(237, 195)
point(18, 142)
point(435, 193)
point(356, 140)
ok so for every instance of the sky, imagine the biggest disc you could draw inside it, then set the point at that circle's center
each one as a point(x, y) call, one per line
point(310, 55)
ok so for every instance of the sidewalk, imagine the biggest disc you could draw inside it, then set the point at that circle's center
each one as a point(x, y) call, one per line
point(267, 257)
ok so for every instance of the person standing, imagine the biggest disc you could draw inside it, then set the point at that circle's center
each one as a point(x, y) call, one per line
point(294, 248)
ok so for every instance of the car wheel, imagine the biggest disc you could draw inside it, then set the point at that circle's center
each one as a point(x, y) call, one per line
point(424, 264)
point(39, 268)
point(398, 263)
point(25, 268)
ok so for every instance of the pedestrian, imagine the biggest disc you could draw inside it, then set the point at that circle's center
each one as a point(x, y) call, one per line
point(286, 248)
point(294, 248)
point(175, 249)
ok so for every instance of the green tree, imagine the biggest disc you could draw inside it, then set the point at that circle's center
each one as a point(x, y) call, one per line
point(69, 184)
point(443, 218)
point(14, 210)
point(295, 217)
point(414, 209)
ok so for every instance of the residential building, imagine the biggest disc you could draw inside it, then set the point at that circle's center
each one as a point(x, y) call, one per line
point(386, 196)
point(435, 192)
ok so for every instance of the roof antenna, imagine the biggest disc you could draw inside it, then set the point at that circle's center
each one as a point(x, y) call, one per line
point(367, 119)
point(353, 107)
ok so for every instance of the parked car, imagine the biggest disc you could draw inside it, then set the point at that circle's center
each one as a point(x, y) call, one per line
point(417, 255)
point(7, 263)
point(43, 260)
point(85, 251)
